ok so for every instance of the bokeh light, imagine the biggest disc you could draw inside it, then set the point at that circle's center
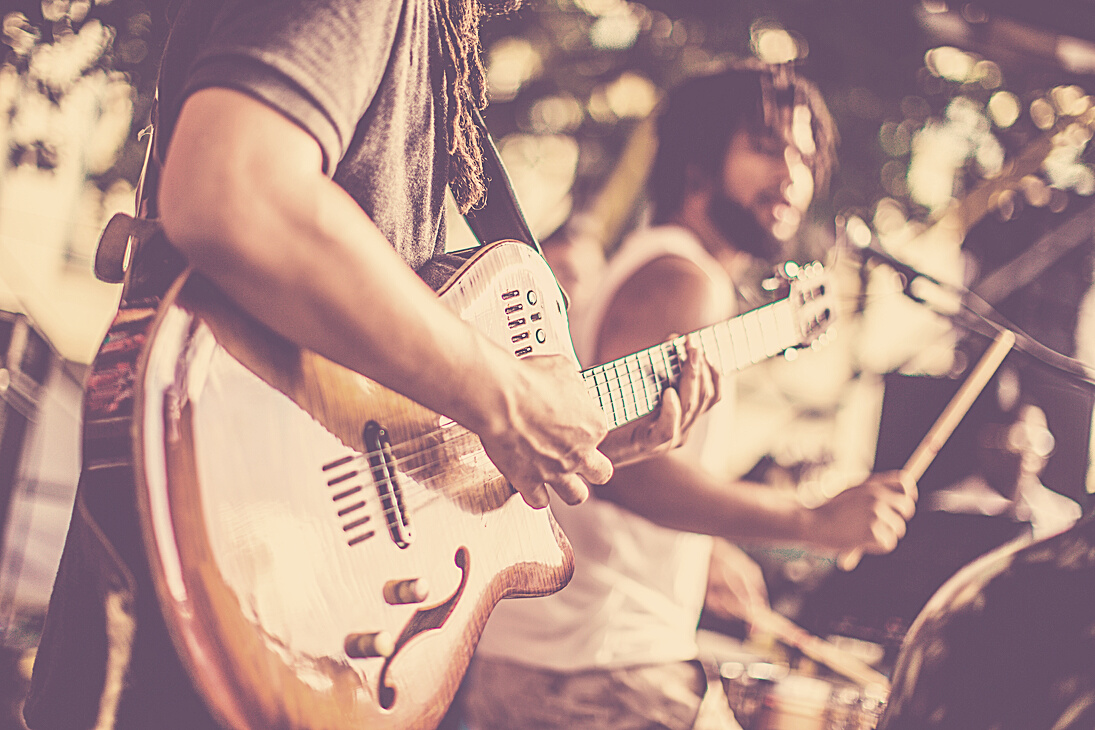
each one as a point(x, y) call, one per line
point(773, 44)
point(1004, 109)
point(511, 63)
point(949, 63)
point(628, 96)
point(615, 30)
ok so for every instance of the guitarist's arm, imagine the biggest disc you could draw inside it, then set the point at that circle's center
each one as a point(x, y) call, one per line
point(243, 195)
point(671, 295)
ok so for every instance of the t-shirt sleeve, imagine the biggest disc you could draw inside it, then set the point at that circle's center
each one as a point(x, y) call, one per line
point(318, 62)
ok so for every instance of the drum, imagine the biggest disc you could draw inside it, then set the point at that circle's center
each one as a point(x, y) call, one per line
point(770, 696)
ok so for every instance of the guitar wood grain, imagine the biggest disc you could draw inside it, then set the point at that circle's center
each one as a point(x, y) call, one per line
point(260, 575)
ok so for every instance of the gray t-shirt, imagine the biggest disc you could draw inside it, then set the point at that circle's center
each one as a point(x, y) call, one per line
point(364, 77)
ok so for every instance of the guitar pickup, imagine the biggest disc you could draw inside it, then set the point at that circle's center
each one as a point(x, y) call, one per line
point(382, 464)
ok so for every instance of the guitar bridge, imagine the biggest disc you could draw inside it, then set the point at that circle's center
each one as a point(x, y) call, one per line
point(382, 464)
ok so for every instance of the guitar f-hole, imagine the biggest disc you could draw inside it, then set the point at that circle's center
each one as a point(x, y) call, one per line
point(424, 619)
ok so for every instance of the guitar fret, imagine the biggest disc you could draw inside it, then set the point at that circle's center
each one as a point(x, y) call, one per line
point(647, 399)
point(669, 360)
point(597, 376)
point(708, 346)
point(621, 388)
point(639, 386)
point(625, 385)
point(767, 321)
point(595, 390)
point(619, 406)
point(631, 387)
point(740, 349)
point(784, 321)
point(657, 386)
point(634, 377)
point(623, 378)
point(754, 338)
point(718, 347)
point(611, 380)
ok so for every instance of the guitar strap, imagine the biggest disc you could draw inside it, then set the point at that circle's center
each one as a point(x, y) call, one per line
point(500, 217)
point(127, 236)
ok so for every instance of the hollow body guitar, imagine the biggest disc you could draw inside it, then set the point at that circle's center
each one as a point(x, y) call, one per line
point(326, 552)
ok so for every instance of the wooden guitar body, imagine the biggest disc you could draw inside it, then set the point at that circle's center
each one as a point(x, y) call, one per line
point(325, 551)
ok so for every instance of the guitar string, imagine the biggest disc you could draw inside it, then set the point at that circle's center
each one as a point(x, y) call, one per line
point(419, 460)
point(419, 494)
point(618, 374)
point(618, 380)
point(670, 359)
point(410, 497)
point(402, 464)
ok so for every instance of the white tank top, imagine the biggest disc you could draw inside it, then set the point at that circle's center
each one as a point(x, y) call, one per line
point(638, 588)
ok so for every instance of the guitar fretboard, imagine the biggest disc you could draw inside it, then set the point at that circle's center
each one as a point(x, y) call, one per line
point(630, 387)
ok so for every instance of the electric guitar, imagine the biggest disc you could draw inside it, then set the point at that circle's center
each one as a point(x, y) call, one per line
point(325, 551)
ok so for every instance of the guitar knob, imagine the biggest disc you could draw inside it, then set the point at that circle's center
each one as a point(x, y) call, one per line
point(402, 592)
point(369, 646)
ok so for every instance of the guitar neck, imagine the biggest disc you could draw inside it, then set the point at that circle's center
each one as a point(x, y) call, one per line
point(630, 387)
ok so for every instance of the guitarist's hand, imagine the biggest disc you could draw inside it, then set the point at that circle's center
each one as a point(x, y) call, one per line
point(869, 517)
point(549, 433)
point(666, 428)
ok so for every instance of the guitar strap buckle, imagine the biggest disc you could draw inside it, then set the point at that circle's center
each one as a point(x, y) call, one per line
point(118, 244)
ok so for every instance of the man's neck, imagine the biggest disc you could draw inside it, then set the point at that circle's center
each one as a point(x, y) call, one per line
point(735, 261)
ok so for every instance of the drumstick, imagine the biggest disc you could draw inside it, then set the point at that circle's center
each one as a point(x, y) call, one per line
point(948, 420)
point(817, 648)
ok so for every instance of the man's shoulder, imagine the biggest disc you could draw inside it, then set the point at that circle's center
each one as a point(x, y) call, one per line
point(670, 257)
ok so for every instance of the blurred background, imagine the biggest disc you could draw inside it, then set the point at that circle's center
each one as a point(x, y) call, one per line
point(964, 153)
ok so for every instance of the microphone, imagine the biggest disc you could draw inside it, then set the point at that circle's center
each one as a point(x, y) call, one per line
point(908, 274)
point(960, 305)
point(945, 299)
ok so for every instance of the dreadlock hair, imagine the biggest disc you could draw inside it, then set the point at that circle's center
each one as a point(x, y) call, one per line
point(466, 88)
point(699, 117)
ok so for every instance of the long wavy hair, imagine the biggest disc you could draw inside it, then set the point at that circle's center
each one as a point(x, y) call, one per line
point(700, 115)
point(467, 90)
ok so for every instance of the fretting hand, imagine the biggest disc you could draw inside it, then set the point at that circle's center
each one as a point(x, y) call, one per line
point(697, 389)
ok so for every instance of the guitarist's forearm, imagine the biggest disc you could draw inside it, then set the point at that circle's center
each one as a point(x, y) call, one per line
point(298, 253)
point(671, 492)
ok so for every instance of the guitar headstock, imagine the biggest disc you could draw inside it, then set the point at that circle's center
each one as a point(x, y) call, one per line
point(811, 298)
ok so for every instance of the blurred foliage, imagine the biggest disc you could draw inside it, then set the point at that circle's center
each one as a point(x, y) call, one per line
point(869, 59)
point(589, 70)
point(863, 55)
point(133, 41)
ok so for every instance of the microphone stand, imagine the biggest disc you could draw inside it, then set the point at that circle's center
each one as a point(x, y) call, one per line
point(971, 312)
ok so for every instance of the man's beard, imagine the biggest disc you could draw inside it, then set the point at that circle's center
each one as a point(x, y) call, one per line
point(738, 225)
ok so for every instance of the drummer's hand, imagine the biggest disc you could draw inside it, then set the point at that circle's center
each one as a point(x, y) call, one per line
point(735, 583)
point(868, 518)
point(666, 428)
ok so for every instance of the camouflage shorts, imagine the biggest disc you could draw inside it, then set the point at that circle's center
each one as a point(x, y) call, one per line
point(500, 695)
